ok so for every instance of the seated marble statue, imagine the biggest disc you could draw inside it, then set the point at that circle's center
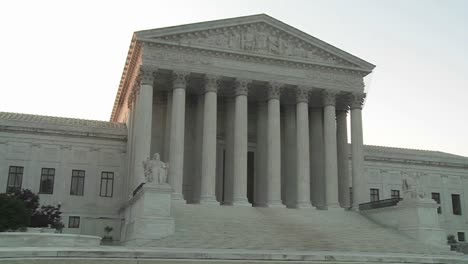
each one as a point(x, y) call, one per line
point(412, 189)
point(155, 169)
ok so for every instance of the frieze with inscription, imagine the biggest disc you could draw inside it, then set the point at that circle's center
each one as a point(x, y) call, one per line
point(315, 75)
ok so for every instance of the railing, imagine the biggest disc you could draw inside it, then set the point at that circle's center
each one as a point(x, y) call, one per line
point(138, 188)
point(379, 204)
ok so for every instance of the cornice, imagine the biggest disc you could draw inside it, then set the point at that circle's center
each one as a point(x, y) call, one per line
point(415, 162)
point(61, 132)
point(133, 55)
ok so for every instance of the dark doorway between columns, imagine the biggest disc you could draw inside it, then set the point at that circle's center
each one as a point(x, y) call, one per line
point(250, 176)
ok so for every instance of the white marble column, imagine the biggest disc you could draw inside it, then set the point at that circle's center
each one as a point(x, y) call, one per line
point(273, 146)
point(208, 169)
point(343, 157)
point(359, 182)
point(240, 144)
point(302, 149)
point(144, 122)
point(176, 149)
point(317, 157)
point(330, 150)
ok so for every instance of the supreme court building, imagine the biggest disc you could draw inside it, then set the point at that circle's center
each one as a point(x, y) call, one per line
point(251, 116)
point(247, 111)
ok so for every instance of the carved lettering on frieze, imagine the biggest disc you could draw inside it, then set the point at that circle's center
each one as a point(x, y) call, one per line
point(179, 57)
point(336, 78)
point(258, 38)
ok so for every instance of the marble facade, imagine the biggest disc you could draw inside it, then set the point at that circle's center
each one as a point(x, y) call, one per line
point(252, 81)
point(247, 112)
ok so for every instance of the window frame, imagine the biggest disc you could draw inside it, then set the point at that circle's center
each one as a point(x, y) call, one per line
point(456, 210)
point(72, 223)
point(77, 176)
point(109, 178)
point(437, 200)
point(15, 174)
point(374, 193)
point(392, 192)
point(461, 235)
point(47, 175)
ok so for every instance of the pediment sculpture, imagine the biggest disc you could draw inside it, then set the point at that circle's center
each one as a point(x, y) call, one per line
point(155, 170)
point(260, 38)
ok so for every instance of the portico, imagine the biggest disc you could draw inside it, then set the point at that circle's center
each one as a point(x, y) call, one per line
point(247, 115)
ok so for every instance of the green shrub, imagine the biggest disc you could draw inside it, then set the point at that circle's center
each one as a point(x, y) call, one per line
point(14, 214)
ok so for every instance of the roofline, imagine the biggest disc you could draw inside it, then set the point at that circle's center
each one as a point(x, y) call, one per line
point(258, 18)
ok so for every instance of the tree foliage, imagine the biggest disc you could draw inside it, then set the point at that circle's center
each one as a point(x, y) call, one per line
point(14, 214)
point(20, 209)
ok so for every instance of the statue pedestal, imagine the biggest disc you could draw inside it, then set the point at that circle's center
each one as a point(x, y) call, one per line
point(148, 215)
point(418, 218)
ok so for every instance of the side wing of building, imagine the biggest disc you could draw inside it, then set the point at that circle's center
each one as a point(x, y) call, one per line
point(442, 176)
point(80, 164)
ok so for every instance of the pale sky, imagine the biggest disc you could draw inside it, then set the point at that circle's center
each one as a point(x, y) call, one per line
point(65, 58)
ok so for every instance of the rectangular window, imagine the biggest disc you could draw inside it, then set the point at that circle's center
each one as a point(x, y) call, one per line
point(456, 205)
point(395, 194)
point(374, 195)
point(107, 184)
point(74, 222)
point(47, 181)
point(461, 236)
point(436, 197)
point(77, 182)
point(15, 178)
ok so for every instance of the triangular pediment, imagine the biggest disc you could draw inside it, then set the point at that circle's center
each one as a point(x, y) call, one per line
point(256, 35)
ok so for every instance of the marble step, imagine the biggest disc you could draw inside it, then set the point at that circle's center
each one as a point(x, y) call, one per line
point(211, 226)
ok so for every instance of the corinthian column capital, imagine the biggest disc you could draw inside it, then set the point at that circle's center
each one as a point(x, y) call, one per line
point(241, 87)
point(274, 90)
point(302, 94)
point(179, 79)
point(357, 100)
point(146, 75)
point(211, 83)
point(329, 97)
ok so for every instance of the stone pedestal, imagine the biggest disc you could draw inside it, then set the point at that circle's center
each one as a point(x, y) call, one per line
point(148, 215)
point(418, 218)
point(413, 216)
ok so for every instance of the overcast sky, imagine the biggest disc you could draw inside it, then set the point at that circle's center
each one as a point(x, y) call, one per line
point(65, 58)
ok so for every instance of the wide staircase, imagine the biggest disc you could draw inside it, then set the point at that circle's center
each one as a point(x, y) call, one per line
point(228, 227)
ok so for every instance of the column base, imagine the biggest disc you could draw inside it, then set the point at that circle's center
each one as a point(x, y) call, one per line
point(334, 207)
point(241, 202)
point(304, 205)
point(210, 200)
point(275, 204)
point(177, 197)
